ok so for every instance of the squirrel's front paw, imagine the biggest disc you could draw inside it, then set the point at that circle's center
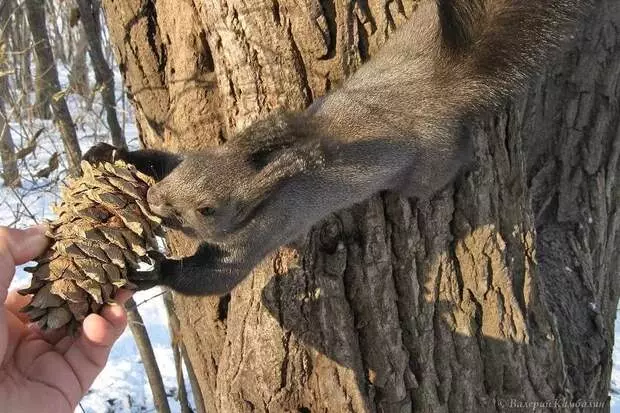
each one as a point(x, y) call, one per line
point(146, 279)
point(103, 152)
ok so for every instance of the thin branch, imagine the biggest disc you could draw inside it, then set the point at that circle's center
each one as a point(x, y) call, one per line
point(141, 337)
point(176, 339)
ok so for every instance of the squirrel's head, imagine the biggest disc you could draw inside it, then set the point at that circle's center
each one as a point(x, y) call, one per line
point(203, 195)
point(210, 195)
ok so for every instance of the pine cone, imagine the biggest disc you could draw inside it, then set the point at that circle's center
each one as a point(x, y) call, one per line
point(104, 227)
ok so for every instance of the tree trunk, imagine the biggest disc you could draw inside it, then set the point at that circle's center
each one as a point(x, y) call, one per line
point(89, 15)
point(501, 289)
point(78, 77)
point(17, 37)
point(22, 46)
point(44, 59)
point(63, 52)
point(10, 172)
point(49, 86)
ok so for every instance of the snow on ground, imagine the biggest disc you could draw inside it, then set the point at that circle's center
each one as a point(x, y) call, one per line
point(122, 387)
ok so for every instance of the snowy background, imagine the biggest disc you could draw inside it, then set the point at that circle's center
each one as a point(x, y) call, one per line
point(122, 386)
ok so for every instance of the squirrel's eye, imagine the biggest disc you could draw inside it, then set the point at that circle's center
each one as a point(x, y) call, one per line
point(207, 211)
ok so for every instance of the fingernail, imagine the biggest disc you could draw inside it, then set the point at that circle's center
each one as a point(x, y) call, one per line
point(122, 297)
point(36, 235)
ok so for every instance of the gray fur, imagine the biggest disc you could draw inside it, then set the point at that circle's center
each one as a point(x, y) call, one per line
point(399, 123)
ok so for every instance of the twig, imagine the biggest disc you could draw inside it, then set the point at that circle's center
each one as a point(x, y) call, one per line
point(141, 337)
point(21, 201)
point(199, 401)
point(147, 300)
point(175, 341)
point(178, 338)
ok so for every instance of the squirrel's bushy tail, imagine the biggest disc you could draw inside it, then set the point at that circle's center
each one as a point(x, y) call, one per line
point(498, 45)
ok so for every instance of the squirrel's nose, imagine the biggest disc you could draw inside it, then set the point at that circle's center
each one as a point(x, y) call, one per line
point(156, 200)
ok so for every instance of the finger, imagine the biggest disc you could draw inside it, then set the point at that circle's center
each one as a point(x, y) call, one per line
point(64, 344)
point(59, 335)
point(103, 329)
point(23, 244)
point(11, 337)
point(14, 302)
point(89, 353)
point(17, 247)
point(53, 336)
point(122, 296)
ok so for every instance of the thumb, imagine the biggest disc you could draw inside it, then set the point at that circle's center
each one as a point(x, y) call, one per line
point(22, 245)
point(17, 247)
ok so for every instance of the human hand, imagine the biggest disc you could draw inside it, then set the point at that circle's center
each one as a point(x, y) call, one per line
point(47, 371)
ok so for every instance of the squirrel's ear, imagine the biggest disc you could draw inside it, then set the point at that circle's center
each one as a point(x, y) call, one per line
point(290, 162)
point(257, 190)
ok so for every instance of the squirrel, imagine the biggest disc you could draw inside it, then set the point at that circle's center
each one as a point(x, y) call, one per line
point(400, 123)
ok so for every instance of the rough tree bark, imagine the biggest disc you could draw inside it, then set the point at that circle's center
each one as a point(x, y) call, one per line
point(500, 289)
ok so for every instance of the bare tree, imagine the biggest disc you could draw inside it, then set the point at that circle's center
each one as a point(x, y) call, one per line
point(78, 77)
point(501, 289)
point(60, 39)
point(48, 85)
point(17, 39)
point(10, 172)
point(43, 89)
point(89, 15)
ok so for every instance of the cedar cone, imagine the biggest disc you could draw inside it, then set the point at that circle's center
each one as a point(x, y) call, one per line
point(104, 228)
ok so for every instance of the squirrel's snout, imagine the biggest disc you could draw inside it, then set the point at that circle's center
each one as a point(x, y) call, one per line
point(156, 201)
point(160, 205)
